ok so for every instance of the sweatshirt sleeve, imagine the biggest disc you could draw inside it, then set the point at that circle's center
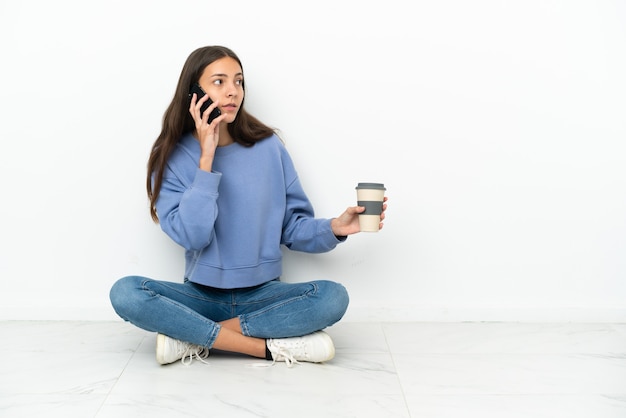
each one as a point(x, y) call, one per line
point(301, 230)
point(187, 213)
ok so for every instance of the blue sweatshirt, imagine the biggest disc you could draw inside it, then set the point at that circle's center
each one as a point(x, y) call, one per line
point(233, 220)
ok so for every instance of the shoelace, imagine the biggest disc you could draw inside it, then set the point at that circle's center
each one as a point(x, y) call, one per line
point(286, 354)
point(200, 353)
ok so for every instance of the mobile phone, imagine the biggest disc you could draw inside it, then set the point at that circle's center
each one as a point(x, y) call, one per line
point(195, 88)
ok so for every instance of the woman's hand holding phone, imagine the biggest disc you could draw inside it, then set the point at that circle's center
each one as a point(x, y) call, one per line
point(208, 134)
point(204, 108)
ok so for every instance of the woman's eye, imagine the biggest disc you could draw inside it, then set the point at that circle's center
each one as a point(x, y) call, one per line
point(217, 82)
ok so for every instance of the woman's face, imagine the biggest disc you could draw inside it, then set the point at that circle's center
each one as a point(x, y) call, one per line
point(222, 80)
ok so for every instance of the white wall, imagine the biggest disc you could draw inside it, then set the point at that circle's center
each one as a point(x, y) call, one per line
point(497, 126)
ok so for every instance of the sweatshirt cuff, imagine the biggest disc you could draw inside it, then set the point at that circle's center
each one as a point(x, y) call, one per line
point(341, 238)
point(208, 181)
point(338, 238)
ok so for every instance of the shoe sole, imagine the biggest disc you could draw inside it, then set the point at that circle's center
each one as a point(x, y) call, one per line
point(160, 343)
point(329, 344)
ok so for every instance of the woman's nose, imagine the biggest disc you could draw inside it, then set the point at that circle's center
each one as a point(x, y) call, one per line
point(232, 90)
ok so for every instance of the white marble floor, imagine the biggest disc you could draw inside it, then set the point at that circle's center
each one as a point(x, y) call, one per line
point(433, 370)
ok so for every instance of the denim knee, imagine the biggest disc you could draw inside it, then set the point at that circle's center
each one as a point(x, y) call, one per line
point(336, 300)
point(123, 294)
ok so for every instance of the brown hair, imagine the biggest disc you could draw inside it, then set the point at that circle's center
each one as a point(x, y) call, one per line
point(177, 121)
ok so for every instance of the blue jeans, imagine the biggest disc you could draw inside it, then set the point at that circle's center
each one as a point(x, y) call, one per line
point(190, 312)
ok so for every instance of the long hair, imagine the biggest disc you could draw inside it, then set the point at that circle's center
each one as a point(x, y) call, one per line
point(177, 121)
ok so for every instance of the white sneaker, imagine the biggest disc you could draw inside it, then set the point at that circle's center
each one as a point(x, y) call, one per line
point(169, 350)
point(315, 348)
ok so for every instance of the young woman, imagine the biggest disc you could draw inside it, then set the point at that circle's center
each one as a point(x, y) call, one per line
point(227, 191)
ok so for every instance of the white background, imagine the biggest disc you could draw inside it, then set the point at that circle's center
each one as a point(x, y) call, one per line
point(498, 128)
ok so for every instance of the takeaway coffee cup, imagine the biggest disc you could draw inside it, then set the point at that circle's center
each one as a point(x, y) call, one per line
point(371, 196)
